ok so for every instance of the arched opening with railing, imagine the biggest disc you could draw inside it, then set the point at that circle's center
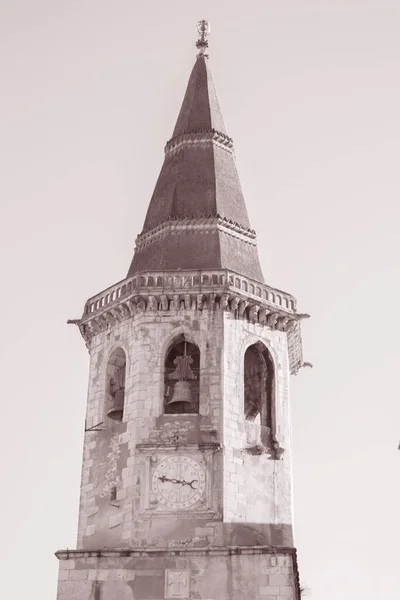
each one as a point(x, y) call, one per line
point(259, 391)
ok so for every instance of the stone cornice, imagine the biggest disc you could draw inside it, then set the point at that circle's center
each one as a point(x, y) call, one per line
point(237, 303)
point(194, 225)
point(199, 136)
point(178, 551)
point(174, 291)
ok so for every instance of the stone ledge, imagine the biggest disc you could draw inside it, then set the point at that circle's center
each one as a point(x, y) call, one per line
point(151, 446)
point(165, 551)
point(200, 224)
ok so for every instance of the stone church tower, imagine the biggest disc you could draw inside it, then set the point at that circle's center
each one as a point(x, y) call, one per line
point(186, 475)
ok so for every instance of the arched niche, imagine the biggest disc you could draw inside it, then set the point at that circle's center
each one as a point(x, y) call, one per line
point(259, 389)
point(115, 384)
point(181, 377)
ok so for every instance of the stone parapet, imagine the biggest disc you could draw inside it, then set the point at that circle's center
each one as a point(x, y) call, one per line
point(172, 291)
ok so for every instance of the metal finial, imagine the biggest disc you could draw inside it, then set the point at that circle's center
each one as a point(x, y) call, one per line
point(203, 29)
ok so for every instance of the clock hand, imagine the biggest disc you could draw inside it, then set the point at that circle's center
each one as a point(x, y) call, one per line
point(163, 478)
point(192, 482)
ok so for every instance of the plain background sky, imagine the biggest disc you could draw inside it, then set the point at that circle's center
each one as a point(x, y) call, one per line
point(310, 92)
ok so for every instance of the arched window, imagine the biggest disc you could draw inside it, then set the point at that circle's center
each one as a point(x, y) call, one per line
point(115, 384)
point(182, 369)
point(259, 390)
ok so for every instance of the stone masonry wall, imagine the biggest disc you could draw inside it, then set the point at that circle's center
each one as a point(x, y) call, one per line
point(257, 488)
point(110, 454)
point(248, 497)
point(253, 574)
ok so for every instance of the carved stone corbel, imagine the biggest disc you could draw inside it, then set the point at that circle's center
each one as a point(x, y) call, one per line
point(125, 311)
point(101, 321)
point(223, 303)
point(164, 302)
point(242, 307)
point(152, 304)
point(140, 302)
point(253, 312)
point(199, 299)
point(187, 300)
point(116, 313)
point(275, 451)
point(282, 322)
point(176, 302)
point(109, 318)
point(291, 323)
point(234, 303)
point(272, 319)
point(94, 327)
point(132, 307)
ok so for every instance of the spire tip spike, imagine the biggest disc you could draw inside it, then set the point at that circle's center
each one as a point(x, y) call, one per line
point(203, 29)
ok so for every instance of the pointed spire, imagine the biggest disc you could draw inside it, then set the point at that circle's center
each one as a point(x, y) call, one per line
point(197, 218)
point(200, 109)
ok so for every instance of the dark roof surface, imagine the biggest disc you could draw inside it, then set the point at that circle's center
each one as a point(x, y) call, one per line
point(200, 108)
point(198, 180)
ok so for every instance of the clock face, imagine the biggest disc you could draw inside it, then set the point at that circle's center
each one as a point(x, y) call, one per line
point(178, 482)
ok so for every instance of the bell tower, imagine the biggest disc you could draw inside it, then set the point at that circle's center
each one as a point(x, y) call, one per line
point(186, 475)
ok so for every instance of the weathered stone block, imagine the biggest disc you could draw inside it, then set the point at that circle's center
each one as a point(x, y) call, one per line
point(269, 590)
point(279, 579)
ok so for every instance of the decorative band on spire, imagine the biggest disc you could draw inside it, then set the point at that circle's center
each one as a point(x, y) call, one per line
point(203, 29)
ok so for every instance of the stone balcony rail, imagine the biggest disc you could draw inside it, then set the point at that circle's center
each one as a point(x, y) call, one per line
point(170, 290)
point(164, 282)
point(260, 439)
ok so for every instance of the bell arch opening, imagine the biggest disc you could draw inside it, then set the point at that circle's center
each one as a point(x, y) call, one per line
point(181, 377)
point(115, 384)
point(259, 392)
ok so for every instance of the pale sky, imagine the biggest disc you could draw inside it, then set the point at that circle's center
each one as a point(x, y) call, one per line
point(310, 94)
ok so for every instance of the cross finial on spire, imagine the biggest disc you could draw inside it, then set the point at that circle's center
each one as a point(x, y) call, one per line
point(203, 29)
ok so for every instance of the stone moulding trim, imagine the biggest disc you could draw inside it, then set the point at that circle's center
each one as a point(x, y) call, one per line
point(150, 447)
point(171, 551)
point(202, 225)
point(200, 136)
point(205, 515)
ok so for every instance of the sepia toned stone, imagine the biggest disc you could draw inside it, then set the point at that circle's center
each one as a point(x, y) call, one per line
point(186, 474)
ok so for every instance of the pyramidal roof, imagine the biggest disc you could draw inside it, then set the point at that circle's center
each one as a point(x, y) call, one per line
point(197, 217)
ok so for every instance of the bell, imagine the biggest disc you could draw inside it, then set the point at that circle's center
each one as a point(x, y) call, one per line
point(181, 393)
point(116, 412)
